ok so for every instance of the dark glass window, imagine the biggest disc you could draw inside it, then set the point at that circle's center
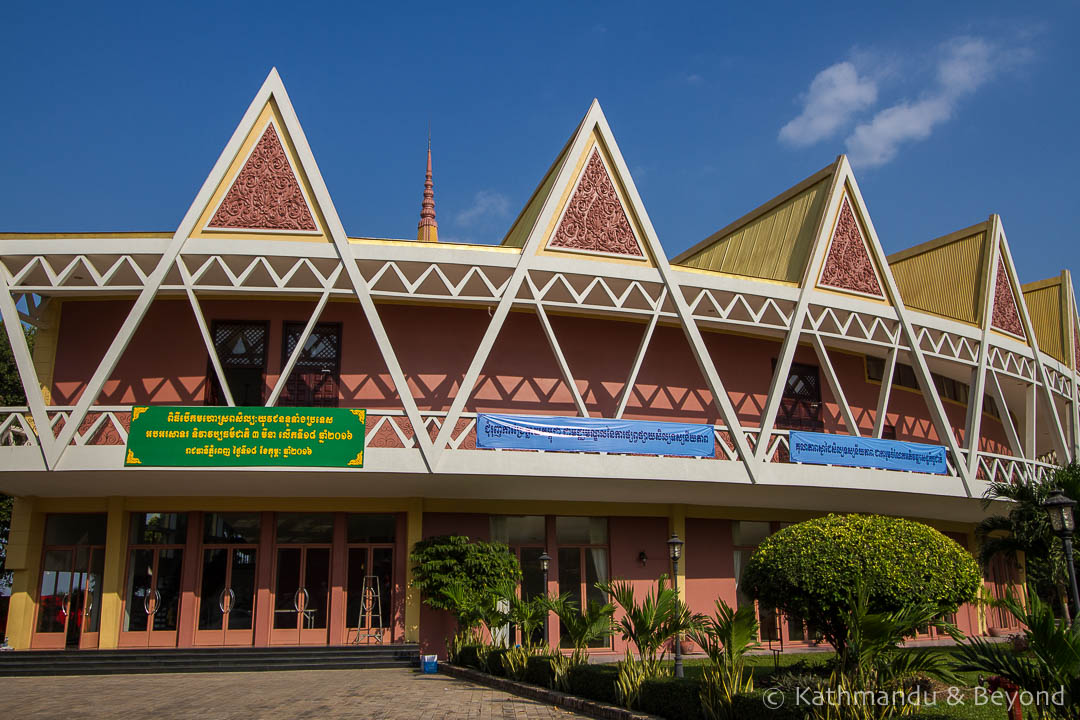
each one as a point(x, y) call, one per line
point(231, 528)
point(305, 527)
point(158, 528)
point(241, 348)
point(314, 379)
point(800, 406)
point(370, 528)
point(75, 529)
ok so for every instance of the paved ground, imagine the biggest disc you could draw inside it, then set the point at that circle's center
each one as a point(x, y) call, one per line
point(316, 694)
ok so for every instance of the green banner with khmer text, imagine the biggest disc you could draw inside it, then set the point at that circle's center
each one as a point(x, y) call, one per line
point(166, 436)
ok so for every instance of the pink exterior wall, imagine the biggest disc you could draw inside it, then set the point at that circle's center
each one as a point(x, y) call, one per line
point(167, 363)
point(627, 537)
point(710, 564)
point(436, 626)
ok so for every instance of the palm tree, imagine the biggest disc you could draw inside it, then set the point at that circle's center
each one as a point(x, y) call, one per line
point(1050, 669)
point(583, 629)
point(1026, 528)
point(726, 637)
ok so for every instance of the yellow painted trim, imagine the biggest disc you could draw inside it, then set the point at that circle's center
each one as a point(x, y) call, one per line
point(414, 533)
point(269, 114)
point(717, 273)
point(112, 581)
point(73, 505)
point(442, 245)
point(24, 560)
point(284, 504)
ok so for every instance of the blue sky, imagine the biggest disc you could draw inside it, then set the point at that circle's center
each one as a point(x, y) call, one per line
point(114, 114)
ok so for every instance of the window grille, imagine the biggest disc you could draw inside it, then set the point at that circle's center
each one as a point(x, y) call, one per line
point(314, 379)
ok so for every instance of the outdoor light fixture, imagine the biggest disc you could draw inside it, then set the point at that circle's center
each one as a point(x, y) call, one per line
point(642, 558)
point(675, 550)
point(545, 560)
point(1060, 509)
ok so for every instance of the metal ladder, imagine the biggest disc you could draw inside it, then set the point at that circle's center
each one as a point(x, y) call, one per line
point(369, 622)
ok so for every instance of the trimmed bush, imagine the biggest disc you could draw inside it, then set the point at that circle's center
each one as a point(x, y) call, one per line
point(495, 662)
point(469, 656)
point(671, 698)
point(751, 706)
point(594, 682)
point(808, 570)
point(538, 671)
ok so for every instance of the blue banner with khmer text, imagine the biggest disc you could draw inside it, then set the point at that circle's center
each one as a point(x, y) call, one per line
point(823, 449)
point(575, 434)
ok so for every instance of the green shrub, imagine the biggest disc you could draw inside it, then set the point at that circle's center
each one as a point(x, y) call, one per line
point(594, 682)
point(671, 698)
point(538, 671)
point(466, 578)
point(807, 570)
point(469, 656)
point(494, 664)
point(751, 706)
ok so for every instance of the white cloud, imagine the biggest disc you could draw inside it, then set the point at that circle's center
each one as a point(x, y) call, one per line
point(967, 65)
point(486, 203)
point(836, 93)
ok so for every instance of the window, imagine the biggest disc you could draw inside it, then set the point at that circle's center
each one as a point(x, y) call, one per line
point(583, 561)
point(369, 584)
point(241, 349)
point(527, 537)
point(948, 388)
point(313, 381)
point(800, 407)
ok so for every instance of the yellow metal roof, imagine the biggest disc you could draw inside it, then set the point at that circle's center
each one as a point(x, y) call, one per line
point(1047, 303)
point(773, 242)
point(519, 231)
point(945, 276)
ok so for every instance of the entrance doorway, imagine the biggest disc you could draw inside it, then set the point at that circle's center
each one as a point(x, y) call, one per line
point(302, 579)
point(227, 584)
point(154, 571)
point(69, 597)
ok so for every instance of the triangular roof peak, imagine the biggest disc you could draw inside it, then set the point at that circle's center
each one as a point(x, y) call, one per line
point(587, 204)
point(772, 242)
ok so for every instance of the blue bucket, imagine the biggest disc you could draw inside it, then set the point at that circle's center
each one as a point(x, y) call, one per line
point(429, 663)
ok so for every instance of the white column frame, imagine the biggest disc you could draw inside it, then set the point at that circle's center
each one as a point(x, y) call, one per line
point(975, 397)
point(885, 392)
point(834, 385)
point(24, 361)
point(823, 238)
point(295, 354)
point(564, 367)
point(208, 340)
point(639, 357)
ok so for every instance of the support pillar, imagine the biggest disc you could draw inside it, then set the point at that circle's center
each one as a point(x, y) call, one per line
point(414, 533)
point(24, 560)
point(551, 539)
point(339, 623)
point(112, 581)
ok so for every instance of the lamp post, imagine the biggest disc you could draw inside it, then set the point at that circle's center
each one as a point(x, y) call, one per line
point(1060, 508)
point(675, 550)
point(545, 560)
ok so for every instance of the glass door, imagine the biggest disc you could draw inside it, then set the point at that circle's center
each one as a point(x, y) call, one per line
point(302, 579)
point(301, 596)
point(155, 567)
point(226, 610)
point(69, 594)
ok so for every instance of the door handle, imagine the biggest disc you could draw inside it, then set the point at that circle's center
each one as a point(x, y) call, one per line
point(221, 602)
point(65, 604)
point(296, 599)
point(156, 604)
point(146, 603)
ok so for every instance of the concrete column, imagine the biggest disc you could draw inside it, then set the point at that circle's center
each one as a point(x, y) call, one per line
point(112, 582)
point(24, 560)
point(551, 540)
point(414, 533)
point(1031, 410)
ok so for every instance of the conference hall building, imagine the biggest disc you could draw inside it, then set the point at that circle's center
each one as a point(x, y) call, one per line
point(235, 432)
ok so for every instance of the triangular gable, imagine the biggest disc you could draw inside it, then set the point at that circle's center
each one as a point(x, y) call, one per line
point(594, 221)
point(772, 242)
point(264, 191)
point(848, 266)
point(591, 212)
point(1005, 315)
point(945, 276)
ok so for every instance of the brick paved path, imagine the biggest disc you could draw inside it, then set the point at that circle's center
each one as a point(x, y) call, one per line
point(316, 694)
